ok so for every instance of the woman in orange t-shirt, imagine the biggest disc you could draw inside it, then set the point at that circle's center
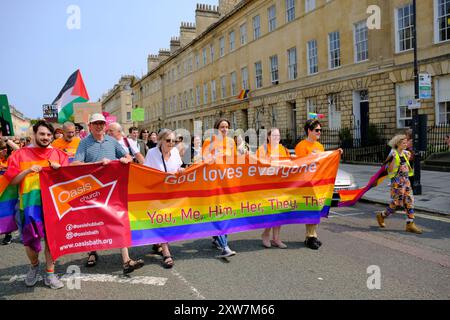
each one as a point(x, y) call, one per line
point(215, 148)
point(272, 150)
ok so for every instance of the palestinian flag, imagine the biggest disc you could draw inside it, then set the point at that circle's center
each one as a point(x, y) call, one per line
point(73, 91)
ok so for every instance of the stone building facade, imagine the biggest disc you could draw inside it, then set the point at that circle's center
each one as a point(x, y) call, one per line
point(118, 102)
point(351, 61)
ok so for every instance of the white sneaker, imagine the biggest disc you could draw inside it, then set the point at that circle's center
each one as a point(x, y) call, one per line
point(227, 252)
point(32, 276)
point(52, 281)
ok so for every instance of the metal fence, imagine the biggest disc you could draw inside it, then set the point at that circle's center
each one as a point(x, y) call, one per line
point(368, 144)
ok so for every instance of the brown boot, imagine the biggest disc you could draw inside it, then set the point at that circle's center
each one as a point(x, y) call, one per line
point(411, 227)
point(380, 220)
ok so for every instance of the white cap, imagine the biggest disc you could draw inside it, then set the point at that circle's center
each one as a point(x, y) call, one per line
point(97, 117)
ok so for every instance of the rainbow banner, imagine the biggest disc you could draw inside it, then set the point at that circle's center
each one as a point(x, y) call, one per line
point(9, 198)
point(350, 197)
point(97, 207)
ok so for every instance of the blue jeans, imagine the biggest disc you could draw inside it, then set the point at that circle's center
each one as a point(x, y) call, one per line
point(222, 240)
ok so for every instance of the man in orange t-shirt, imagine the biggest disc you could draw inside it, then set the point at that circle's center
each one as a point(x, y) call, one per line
point(68, 142)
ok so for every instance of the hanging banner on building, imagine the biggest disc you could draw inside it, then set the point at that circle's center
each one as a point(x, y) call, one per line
point(6, 125)
point(92, 207)
point(424, 86)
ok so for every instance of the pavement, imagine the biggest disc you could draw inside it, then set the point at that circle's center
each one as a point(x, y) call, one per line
point(435, 197)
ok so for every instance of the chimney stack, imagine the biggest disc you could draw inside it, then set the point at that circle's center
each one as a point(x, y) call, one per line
point(187, 33)
point(205, 16)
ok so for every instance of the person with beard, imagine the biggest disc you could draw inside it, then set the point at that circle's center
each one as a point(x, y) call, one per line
point(24, 166)
point(68, 142)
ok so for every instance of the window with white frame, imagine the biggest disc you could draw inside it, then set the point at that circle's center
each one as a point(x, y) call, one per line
point(361, 38)
point(213, 91)
point(243, 33)
point(211, 52)
point(311, 106)
point(223, 86)
point(274, 69)
point(290, 10)
point(197, 61)
point(198, 95)
point(334, 52)
point(258, 75)
point(405, 92)
point(256, 27)
point(233, 83)
point(443, 100)
point(186, 100)
point(292, 63)
point(232, 40)
point(222, 46)
point(334, 111)
point(205, 93)
point(313, 63)
point(442, 20)
point(244, 75)
point(205, 59)
point(310, 5)
point(404, 25)
point(272, 16)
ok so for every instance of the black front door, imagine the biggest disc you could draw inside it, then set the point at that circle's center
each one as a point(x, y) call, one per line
point(364, 109)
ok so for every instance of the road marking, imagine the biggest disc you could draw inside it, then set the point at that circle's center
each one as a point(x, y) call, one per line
point(191, 287)
point(429, 217)
point(154, 281)
point(424, 254)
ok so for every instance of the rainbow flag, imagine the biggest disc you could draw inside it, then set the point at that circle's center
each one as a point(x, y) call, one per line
point(30, 204)
point(250, 197)
point(350, 197)
point(8, 201)
point(243, 94)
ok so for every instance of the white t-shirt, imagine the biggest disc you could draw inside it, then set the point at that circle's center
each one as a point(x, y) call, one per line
point(154, 160)
point(124, 146)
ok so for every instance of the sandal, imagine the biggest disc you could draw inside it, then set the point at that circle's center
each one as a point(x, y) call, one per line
point(132, 265)
point(157, 249)
point(90, 263)
point(168, 265)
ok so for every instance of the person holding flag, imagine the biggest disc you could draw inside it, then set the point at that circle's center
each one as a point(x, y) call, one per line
point(24, 166)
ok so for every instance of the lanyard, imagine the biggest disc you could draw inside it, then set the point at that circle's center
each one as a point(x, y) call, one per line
point(162, 157)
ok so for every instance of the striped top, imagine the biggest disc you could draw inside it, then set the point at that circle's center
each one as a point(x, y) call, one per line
point(90, 150)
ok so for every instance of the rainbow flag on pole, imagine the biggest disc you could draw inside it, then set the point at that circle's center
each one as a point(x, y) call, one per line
point(243, 94)
point(73, 91)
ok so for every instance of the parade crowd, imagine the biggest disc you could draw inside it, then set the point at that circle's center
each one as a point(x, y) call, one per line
point(23, 159)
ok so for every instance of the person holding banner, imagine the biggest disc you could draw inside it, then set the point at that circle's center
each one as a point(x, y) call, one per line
point(165, 157)
point(101, 148)
point(115, 131)
point(272, 151)
point(308, 146)
point(399, 170)
point(24, 166)
point(68, 142)
point(220, 146)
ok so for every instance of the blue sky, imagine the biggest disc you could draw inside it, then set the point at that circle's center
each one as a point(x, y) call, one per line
point(38, 52)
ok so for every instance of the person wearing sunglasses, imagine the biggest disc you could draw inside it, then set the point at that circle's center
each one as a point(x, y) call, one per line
point(311, 145)
point(165, 157)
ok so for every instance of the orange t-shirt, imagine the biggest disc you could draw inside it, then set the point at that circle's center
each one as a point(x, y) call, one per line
point(219, 147)
point(68, 147)
point(265, 151)
point(304, 148)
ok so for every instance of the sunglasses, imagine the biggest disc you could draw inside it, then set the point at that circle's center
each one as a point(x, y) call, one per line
point(170, 141)
point(318, 130)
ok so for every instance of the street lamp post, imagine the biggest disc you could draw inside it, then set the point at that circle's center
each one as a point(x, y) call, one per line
point(417, 187)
